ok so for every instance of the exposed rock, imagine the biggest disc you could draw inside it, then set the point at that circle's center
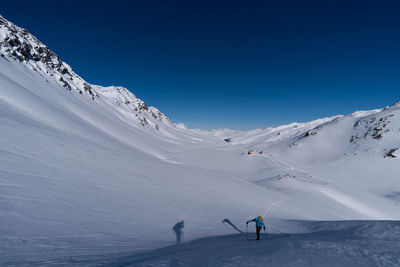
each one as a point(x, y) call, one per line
point(310, 132)
point(18, 44)
point(143, 106)
point(353, 138)
point(390, 153)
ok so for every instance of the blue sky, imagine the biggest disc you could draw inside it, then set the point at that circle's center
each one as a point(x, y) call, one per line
point(234, 64)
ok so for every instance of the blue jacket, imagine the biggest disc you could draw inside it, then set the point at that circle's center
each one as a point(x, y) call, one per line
point(258, 222)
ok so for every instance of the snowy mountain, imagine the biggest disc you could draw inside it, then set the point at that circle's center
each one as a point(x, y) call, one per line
point(91, 172)
point(18, 44)
point(362, 132)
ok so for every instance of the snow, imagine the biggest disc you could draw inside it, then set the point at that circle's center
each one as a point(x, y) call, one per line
point(327, 243)
point(94, 176)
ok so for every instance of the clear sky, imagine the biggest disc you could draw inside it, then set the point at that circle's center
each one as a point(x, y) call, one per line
point(234, 64)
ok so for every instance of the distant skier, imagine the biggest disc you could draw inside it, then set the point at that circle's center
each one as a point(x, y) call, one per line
point(259, 224)
point(178, 231)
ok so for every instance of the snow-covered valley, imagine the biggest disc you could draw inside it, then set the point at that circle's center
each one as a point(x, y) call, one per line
point(90, 172)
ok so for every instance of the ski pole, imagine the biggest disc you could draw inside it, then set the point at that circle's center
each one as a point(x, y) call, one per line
point(265, 232)
point(247, 232)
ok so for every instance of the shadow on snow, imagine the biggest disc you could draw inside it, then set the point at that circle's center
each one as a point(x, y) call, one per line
point(331, 243)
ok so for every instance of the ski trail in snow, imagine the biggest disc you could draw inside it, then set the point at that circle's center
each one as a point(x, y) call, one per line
point(334, 194)
point(271, 157)
point(306, 175)
point(86, 170)
point(325, 189)
point(272, 207)
point(279, 202)
point(352, 203)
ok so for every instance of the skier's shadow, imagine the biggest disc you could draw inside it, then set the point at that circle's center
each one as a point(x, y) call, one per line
point(231, 224)
point(178, 231)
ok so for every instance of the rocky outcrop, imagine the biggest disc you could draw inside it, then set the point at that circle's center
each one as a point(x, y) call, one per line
point(18, 44)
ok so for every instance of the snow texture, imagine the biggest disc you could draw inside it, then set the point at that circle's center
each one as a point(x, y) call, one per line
point(91, 175)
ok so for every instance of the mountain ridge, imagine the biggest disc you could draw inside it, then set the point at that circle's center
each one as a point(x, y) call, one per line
point(84, 174)
point(18, 44)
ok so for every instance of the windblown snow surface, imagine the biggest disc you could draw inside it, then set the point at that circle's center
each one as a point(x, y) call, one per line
point(91, 175)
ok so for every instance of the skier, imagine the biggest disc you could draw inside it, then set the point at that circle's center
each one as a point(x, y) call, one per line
point(259, 224)
point(178, 231)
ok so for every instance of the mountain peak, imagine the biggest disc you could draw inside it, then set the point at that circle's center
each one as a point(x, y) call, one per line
point(18, 44)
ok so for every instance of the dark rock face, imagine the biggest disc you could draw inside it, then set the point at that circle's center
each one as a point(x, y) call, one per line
point(353, 138)
point(390, 153)
point(87, 87)
point(375, 126)
point(311, 132)
point(65, 84)
point(143, 106)
point(64, 71)
point(19, 44)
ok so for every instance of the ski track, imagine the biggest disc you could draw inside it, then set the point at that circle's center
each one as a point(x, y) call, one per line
point(91, 175)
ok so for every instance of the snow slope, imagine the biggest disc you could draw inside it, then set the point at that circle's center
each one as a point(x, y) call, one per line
point(19, 45)
point(356, 155)
point(326, 243)
point(87, 170)
point(335, 243)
